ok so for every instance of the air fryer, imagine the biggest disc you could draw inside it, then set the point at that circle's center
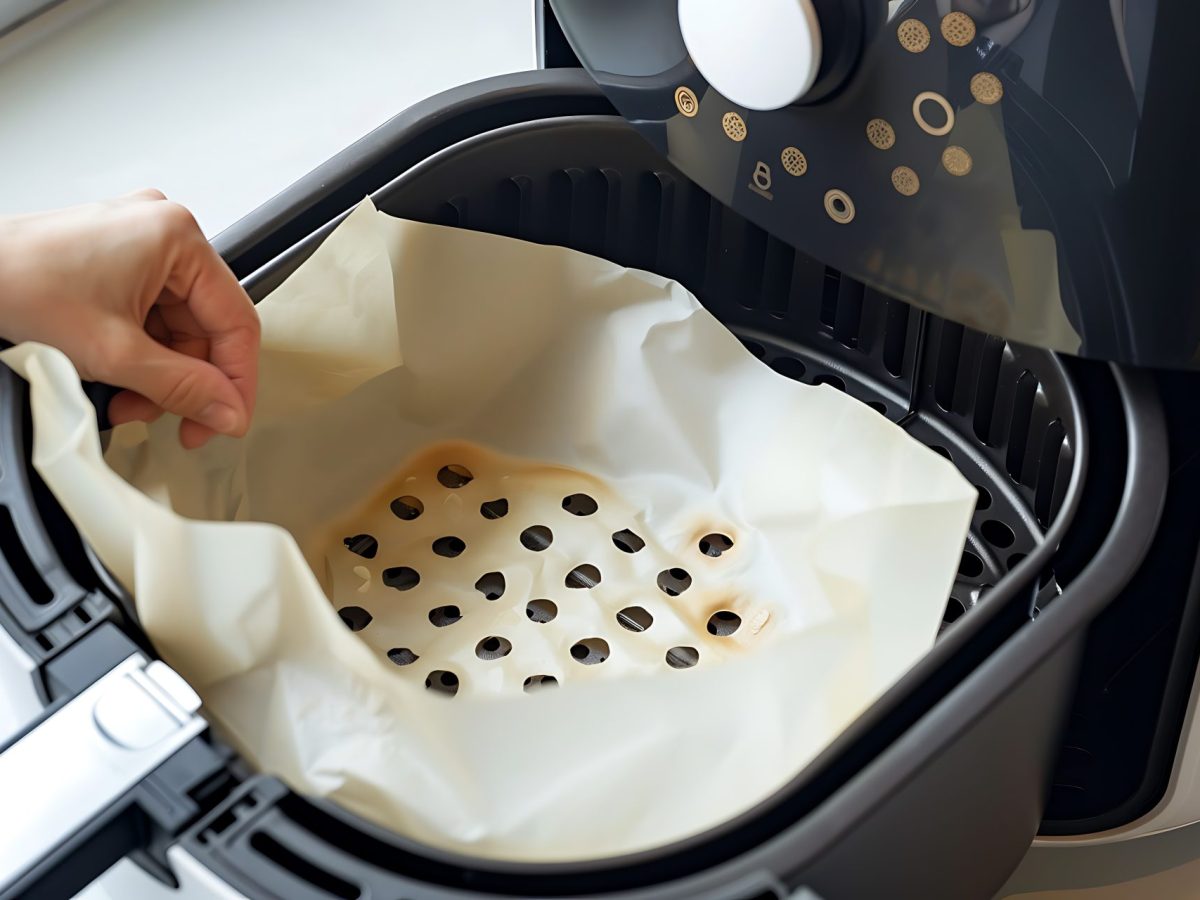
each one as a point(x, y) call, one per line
point(1054, 698)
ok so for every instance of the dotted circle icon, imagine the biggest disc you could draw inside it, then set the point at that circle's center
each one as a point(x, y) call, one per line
point(881, 134)
point(956, 160)
point(913, 35)
point(735, 128)
point(986, 88)
point(839, 206)
point(958, 29)
point(794, 162)
point(686, 102)
point(905, 180)
point(919, 113)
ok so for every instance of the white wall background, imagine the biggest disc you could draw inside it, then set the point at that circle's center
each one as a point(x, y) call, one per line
point(223, 103)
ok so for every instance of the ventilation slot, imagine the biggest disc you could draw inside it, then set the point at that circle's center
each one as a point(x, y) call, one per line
point(1018, 435)
point(895, 336)
point(1048, 469)
point(743, 251)
point(18, 560)
point(991, 356)
point(579, 208)
point(514, 206)
point(647, 231)
point(945, 377)
point(847, 318)
point(829, 296)
point(301, 868)
point(777, 276)
point(452, 213)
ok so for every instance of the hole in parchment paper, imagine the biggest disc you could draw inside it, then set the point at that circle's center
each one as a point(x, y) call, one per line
point(449, 546)
point(539, 682)
point(402, 656)
point(590, 651)
point(997, 533)
point(635, 618)
point(445, 615)
point(494, 509)
point(537, 538)
point(579, 505)
point(724, 623)
point(407, 508)
point(674, 582)
point(363, 545)
point(715, 544)
point(628, 541)
point(454, 476)
point(682, 657)
point(402, 578)
point(970, 566)
point(355, 617)
point(541, 611)
point(442, 682)
point(584, 576)
point(493, 647)
point(491, 585)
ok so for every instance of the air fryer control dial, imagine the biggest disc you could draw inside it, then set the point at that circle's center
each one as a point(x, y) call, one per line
point(761, 54)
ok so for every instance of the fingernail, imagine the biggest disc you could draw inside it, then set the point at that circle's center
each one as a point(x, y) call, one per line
point(220, 417)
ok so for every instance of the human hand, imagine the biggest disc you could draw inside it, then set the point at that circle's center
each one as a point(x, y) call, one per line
point(133, 294)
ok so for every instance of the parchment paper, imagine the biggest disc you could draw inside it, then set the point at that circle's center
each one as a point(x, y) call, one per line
point(395, 336)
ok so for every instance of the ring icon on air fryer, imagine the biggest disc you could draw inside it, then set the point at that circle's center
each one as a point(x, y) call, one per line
point(760, 181)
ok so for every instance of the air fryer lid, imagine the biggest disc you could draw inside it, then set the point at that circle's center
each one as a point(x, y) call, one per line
point(1013, 165)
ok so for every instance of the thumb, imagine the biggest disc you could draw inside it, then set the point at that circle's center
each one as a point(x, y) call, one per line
point(177, 383)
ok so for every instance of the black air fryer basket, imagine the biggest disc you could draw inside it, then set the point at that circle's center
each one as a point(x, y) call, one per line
point(937, 790)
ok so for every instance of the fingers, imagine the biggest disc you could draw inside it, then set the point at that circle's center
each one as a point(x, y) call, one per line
point(221, 310)
point(129, 406)
point(192, 388)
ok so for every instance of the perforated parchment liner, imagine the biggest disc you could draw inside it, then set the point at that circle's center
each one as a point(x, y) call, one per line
point(398, 349)
point(478, 573)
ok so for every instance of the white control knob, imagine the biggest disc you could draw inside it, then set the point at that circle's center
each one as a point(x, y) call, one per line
point(761, 54)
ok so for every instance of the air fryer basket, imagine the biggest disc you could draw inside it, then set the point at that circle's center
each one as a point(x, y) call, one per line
point(941, 782)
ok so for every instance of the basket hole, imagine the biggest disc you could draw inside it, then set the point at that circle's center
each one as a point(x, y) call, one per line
point(635, 618)
point(538, 683)
point(402, 578)
point(454, 476)
point(493, 647)
point(715, 544)
point(407, 508)
point(494, 509)
point(1014, 560)
point(832, 380)
point(355, 617)
point(590, 651)
point(724, 623)
point(491, 585)
point(789, 367)
point(754, 347)
point(997, 533)
point(449, 546)
point(970, 566)
point(682, 657)
point(442, 616)
point(441, 681)
point(402, 656)
point(585, 576)
point(985, 497)
point(954, 609)
point(363, 545)
point(579, 505)
point(674, 582)
point(537, 538)
point(627, 541)
point(541, 611)
point(941, 451)
point(879, 407)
